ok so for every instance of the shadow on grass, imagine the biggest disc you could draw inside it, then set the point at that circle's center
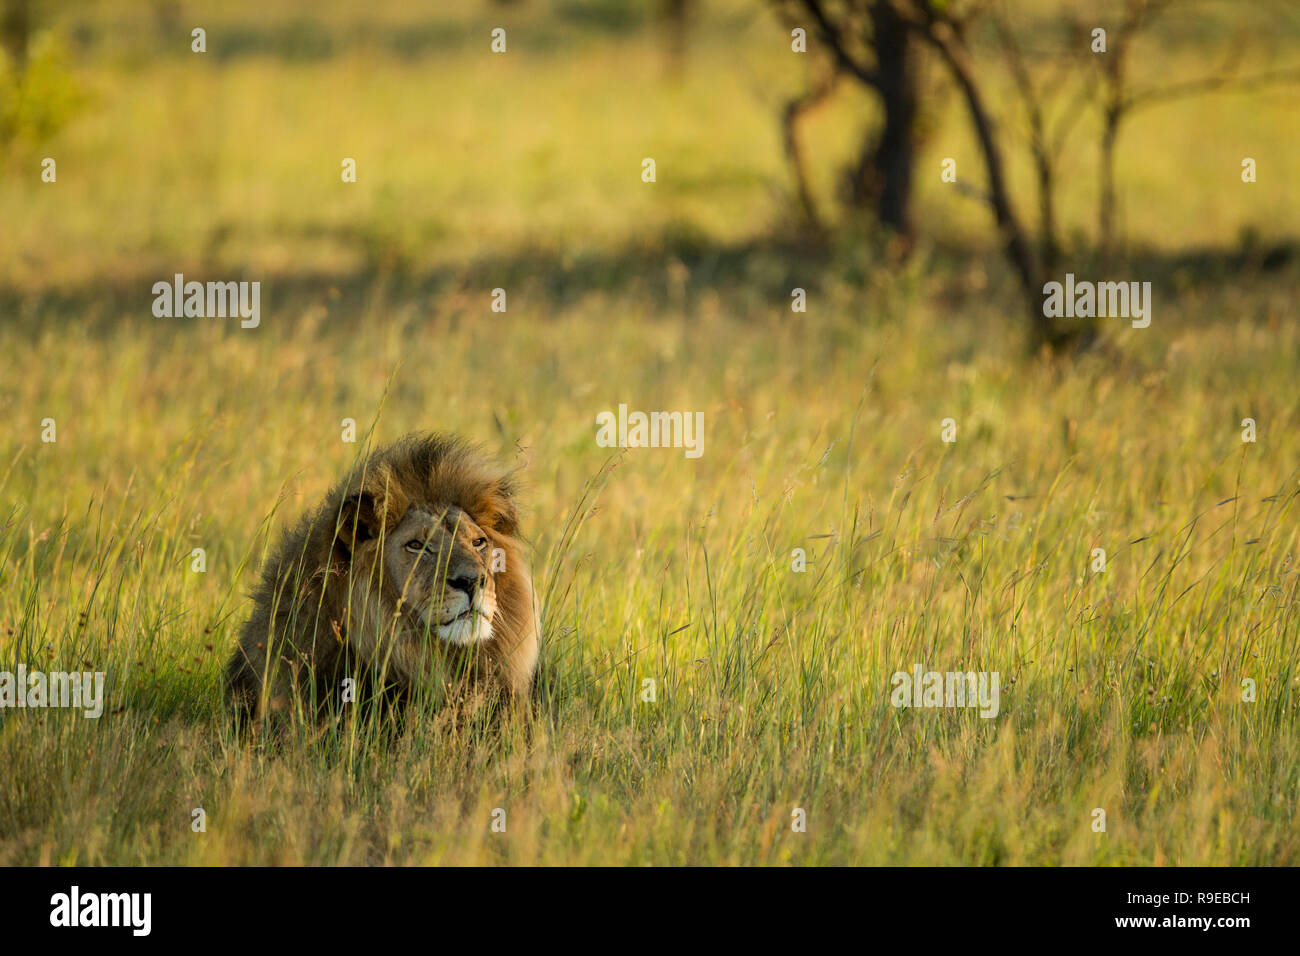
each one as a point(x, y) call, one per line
point(671, 274)
point(303, 39)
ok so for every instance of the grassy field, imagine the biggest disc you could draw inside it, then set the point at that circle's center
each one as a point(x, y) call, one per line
point(1120, 691)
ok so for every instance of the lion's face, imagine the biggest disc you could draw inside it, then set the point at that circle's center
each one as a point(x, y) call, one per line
point(438, 561)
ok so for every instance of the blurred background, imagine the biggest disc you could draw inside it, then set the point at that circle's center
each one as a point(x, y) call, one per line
point(525, 166)
point(833, 148)
point(916, 170)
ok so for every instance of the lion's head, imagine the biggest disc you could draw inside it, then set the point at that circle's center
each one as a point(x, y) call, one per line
point(414, 556)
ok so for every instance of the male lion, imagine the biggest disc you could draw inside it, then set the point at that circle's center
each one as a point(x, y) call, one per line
point(409, 575)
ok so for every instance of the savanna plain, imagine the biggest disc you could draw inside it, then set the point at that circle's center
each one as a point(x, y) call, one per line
point(1162, 690)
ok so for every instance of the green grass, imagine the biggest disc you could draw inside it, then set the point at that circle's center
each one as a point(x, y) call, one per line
point(1120, 691)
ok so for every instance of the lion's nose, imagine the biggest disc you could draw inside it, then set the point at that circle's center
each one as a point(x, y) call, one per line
point(468, 583)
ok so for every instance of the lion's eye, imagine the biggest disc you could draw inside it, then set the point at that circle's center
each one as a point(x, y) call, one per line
point(479, 542)
point(415, 544)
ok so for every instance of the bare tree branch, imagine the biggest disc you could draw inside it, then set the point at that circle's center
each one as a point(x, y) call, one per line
point(794, 110)
point(1207, 84)
point(834, 39)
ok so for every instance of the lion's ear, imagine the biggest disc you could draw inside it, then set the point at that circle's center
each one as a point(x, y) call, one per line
point(360, 519)
point(502, 516)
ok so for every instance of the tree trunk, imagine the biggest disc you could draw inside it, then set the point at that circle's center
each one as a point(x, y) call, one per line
point(1106, 187)
point(1049, 248)
point(15, 30)
point(676, 17)
point(883, 178)
point(795, 110)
